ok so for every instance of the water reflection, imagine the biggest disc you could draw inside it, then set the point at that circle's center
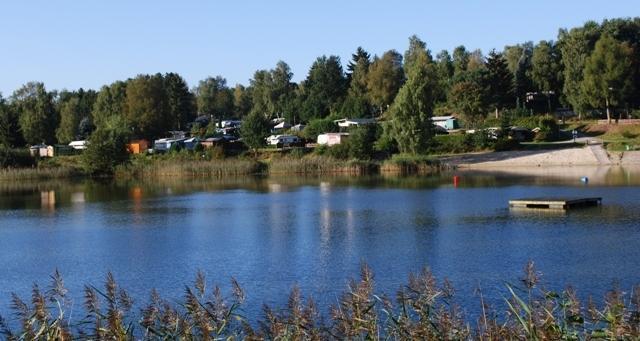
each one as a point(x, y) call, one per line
point(271, 233)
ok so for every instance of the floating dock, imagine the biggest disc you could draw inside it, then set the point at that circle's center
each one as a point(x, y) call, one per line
point(555, 203)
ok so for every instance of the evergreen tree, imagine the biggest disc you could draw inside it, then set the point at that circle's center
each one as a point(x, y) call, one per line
point(357, 103)
point(460, 60)
point(324, 88)
point(10, 135)
point(416, 48)
point(361, 55)
point(499, 82)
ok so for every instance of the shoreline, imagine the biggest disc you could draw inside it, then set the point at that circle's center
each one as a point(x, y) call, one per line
point(590, 155)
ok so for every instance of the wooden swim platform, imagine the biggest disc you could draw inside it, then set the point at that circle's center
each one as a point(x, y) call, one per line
point(555, 203)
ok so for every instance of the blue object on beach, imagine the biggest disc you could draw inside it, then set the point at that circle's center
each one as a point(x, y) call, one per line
point(584, 179)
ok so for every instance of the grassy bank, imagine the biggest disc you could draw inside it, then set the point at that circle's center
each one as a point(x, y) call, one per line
point(423, 309)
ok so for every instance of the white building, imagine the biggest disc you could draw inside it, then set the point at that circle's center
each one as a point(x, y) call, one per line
point(331, 139)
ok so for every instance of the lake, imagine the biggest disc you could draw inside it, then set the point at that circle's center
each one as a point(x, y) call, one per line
point(271, 234)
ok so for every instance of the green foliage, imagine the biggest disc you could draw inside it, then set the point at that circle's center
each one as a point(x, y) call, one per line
point(319, 126)
point(549, 129)
point(608, 73)
point(546, 68)
point(361, 141)
point(411, 125)
point(323, 89)
point(340, 151)
point(241, 101)
point(499, 82)
point(460, 60)
point(15, 157)
point(37, 115)
point(10, 134)
point(467, 99)
point(107, 147)
point(575, 47)
point(180, 101)
point(214, 98)
point(254, 130)
point(385, 78)
point(147, 108)
point(273, 92)
point(110, 102)
point(70, 117)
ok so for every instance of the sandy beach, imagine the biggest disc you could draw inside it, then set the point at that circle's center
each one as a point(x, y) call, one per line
point(591, 155)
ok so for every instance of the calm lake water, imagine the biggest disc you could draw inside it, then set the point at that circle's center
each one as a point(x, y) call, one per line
point(271, 234)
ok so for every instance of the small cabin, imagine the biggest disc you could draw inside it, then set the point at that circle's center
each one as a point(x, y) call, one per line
point(446, 122)
point(41, 150)
point(354, 122)
point(331, 139)
point(138, 146)
point(78, 145)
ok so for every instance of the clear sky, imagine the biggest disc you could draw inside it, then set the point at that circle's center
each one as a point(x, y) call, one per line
point(89, 43)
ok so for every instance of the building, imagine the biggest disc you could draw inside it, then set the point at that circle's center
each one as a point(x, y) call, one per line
point(282, 140)
point(351, 122)
point(78, 145)
point(331, 139)
point(298, 127)
point(280, 127)
point(164, 145)
point(41, 150)
point(446, 122)
point(192, 143)
point(138, 146)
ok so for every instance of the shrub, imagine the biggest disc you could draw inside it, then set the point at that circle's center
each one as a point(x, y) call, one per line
point(361, 141)
point(339, 151)
point(317, 127)
point(549, 129)
point(107, 148)
point(15, 158)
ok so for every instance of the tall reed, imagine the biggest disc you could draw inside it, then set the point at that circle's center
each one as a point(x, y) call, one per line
point(423, 309)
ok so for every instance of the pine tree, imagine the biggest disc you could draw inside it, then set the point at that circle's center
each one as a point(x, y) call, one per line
point(499, 82)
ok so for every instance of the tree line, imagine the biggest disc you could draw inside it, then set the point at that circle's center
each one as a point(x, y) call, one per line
point(592, 67)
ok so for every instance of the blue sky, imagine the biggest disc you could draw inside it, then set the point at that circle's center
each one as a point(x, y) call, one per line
point(72, 44)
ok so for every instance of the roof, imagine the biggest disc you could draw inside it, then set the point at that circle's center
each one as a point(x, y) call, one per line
point(442, 118)
point(282, 125)
point(356, 120)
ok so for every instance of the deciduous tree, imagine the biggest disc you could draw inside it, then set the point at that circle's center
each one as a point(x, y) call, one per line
point(607, 76)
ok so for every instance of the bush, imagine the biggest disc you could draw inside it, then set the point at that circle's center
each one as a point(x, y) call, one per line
point(107, 148)
point(15, 158)
point(549, 129)
point(339, 151)
point(317, 127)
point(361, 141)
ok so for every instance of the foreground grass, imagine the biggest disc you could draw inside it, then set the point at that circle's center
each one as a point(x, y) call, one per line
point(423, 309)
